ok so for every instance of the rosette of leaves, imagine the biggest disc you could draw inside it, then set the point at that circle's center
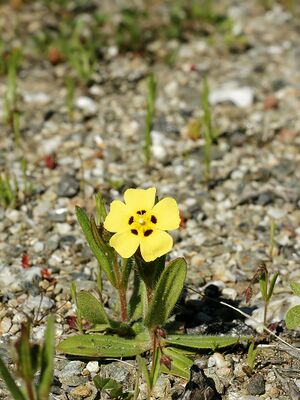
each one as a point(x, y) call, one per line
point(142, 326)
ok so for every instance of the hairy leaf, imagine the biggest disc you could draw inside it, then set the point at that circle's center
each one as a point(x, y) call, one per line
point(203, 342)
point(292, 317)
point(166, 293)
point(91, 309)
point(98, 253)
point(295, 288)
point(94, 345)
point(138, 301)
point(180, 363)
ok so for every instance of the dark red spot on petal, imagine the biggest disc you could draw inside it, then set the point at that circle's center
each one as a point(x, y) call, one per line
point(134, 231)
point(131, 219)
point(148, 232)
point(153, 219)
point(141, 212)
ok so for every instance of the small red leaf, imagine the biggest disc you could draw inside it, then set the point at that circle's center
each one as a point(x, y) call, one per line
point(25, 261)
point(72, 321)
point(46, 274)
point(50, 162)
point(166, 361)
point(182, 220)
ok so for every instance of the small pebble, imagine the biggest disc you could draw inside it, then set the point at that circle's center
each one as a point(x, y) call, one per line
point(93, 366)
point(81, 392)
point(38, 247)
point(256, 385)
point(5, 325)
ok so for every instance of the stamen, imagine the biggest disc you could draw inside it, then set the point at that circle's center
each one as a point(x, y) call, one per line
point(153, 219)
point(134, 231)
point(131, 219)
point(148, 232)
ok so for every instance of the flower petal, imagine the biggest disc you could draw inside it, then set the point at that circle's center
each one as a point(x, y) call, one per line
point(125, 243)
point(155, 245)
point(140, 199)
point(117, 218)
point(167, 214)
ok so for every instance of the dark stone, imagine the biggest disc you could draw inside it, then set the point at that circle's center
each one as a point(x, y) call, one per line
point(212, 291)
point(256, 385)
point(68, 186)
point(266, 198)
point(199, 387)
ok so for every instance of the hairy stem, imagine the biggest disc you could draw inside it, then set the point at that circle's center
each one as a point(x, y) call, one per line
point(123, 304)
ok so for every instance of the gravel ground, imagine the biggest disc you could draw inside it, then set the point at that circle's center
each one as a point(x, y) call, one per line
point(254, 80)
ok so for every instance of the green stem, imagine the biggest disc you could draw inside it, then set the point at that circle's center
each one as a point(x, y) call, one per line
point(154, 356)
point(121, 290)
point(266, 312)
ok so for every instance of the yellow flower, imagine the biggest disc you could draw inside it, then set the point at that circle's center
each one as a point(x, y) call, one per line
point(141, 222)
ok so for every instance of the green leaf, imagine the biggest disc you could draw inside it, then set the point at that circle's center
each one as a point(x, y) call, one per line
point(150, 272)
point(23, 348)
point(127, 264)
point(100, 207)
point(155, 370)
point(272, 284)
point(180, 364)
point(166, 293)
point(10, 382)
point(94, 345)
point(263, 283)
point(47, 360)
point(91, 309)
point(109, 385)
point(138, 301)
point(98, 253)
point(292, 317)
point(251, 355)
point(144, 370)
point(203, 342)
point(295, 288)
point(104, 247)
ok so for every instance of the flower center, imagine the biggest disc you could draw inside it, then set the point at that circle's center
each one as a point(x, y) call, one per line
point(142, 223)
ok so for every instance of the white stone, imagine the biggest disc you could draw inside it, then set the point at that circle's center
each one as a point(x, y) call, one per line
point(39, 302)
point(276, 213)
point(13, 215)
point(171, 88)
point(218, 360)
point(93, 366)
point(31, 274)
point(5, 325)
point(7, 278)
point(63, 228)
point(241, 97)
point(37, 97)
point(229, 293)
point(86, 104)
point(277, 310)
point(38, 247)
